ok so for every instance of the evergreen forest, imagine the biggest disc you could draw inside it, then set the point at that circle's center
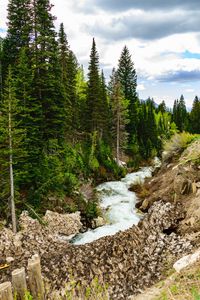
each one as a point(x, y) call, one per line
point(61, 127)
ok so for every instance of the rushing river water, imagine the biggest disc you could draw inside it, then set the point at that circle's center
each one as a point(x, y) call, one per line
point(118, 206)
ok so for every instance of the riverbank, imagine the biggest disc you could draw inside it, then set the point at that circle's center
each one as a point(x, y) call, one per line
point(117, 204)
point(126, 262)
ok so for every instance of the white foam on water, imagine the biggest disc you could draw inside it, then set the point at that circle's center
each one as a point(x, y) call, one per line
point(118, 206)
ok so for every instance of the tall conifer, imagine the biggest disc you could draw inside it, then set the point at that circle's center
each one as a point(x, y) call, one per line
point(11, 146)
point(47, 71)
point(195, 116)
point(128, 80)
point(94, 118)
point(119, 107)
point(19, 29)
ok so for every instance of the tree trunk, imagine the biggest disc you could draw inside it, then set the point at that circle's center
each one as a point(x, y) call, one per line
point(118, 136)
point(12, 192)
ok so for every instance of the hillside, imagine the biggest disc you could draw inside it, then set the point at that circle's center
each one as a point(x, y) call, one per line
point(131, 260)
point(178, 181)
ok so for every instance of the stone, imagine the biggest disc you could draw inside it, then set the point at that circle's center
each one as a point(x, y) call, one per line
point(194, 188)
point(198, 185)
point(9, 259)
point(145, 205)
point(186, 261)
point(182, 185)
point(127, 262)
point(64, 224)
point(98, 222)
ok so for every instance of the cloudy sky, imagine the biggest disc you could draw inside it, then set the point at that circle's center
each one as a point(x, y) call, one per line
point(163, 37)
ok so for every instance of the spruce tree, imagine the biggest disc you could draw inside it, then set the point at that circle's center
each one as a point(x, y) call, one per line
point(128, 80)
point(47, 86)
point(94, 103)
point(1, 70)
point(30, 117)
point(71, 73)
point(180, 114)
point(105, 110)
point(81, 95)
point(119, 107)
point(195, 116)
point(69, 68)
point(11, 145)
point(19, 29)
point(162, 107)
point(63, 51)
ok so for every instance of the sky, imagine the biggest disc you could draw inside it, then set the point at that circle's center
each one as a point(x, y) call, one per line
point(163, 37)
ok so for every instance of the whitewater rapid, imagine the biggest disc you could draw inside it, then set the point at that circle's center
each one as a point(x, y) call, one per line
point(118, 206)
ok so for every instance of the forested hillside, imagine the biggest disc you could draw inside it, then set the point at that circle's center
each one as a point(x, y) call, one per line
point(59, 126)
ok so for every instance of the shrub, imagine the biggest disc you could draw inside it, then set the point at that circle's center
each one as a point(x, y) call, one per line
point(176, 145)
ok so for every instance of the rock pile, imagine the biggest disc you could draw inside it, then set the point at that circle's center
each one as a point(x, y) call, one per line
point(127, 261)
point(64, 224)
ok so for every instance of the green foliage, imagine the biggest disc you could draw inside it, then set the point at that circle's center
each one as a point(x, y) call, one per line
point(95, 291)
point(119, 108)
point(27, 296)
point(12, 138)
point(67, 129)
point(177, 144)
point(180, 116)
point(128, 79)
point(92, 210)
point(195, 116)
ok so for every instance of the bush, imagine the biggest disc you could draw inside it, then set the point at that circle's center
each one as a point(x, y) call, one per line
point(176, 145)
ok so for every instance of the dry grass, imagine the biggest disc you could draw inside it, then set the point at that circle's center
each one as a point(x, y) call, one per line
point(182, 286)
point(177, 144)
point(192, 153)
point(80, 291)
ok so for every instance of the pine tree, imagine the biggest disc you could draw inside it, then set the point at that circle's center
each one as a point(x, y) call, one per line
point(30, 117)
point(11, 141)
point(63, 51)
point(69, 68)
point(71, 73)
point(81, 91)
point(47, 72)
point(128, 80)
point(105, 110)
point(18, 34)
point(183, 114)
point(94, 103)
point(148, 138)
point(1, 69)
point(162, 107)
point(180, 114)
point(195, 116)
point(119, 107)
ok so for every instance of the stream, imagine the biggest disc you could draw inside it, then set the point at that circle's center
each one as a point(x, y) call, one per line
point(118, 205)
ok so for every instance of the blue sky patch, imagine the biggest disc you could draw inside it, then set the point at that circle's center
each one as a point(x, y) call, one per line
point(2, 30)
point(188, 54)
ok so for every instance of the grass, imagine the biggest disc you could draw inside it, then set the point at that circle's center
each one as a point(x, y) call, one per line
point(192, 153)
point(182, 286)
point(177, 144)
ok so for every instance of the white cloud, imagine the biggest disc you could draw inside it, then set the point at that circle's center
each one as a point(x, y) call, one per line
point(141, 87)
point(189, 90)
point(152, 58)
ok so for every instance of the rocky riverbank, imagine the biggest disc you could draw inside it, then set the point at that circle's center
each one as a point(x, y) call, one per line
point(129, 261)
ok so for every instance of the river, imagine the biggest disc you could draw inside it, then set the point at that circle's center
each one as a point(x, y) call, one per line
point(118, 205)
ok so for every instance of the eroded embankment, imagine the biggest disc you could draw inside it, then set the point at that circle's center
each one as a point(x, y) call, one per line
point(127, 261)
